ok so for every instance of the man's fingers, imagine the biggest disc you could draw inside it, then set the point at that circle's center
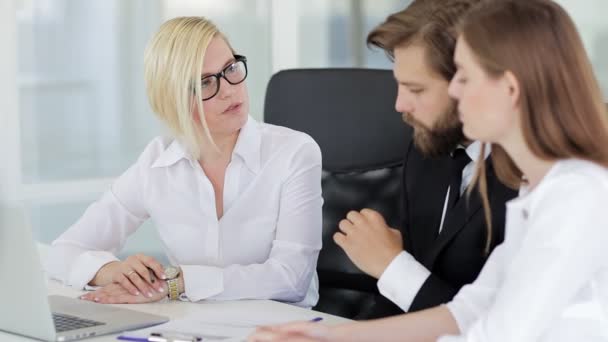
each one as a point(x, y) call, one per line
point(373, 216)
point(340, 240)
point(346, 226)
point(355, 217)
point(395, 232)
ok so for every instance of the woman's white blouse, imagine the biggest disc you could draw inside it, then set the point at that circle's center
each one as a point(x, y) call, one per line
point(266, 244)
point(549, 280)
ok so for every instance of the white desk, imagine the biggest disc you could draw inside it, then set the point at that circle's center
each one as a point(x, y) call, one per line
point(260, 311)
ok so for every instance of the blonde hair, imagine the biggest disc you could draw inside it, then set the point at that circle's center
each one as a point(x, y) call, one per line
point(562, 111)
point(173, 63)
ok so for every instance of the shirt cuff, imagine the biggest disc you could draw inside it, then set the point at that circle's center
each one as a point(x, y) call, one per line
point(402, 280)
point(464, 315)
point(202, 282)
point(86, 266)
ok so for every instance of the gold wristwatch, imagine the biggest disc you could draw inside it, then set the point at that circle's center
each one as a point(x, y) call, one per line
point(171, 277)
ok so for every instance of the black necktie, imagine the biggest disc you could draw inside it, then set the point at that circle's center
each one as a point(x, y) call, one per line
point(459, 160)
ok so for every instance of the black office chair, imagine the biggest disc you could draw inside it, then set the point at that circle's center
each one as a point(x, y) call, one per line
point(350, 113)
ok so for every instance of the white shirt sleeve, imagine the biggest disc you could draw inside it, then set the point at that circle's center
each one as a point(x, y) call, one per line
point(287, 273)
point(76, 256)
point(563, 246)
point(281, 261)
point(402, 280)
point(473, 300)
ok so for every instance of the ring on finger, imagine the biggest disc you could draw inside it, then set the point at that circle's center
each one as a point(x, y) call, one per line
point(130, 272)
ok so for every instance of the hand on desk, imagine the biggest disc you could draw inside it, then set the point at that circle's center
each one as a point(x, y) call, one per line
point(368, 241)
point(138, 274)
point(116, 294)
point(293, 332)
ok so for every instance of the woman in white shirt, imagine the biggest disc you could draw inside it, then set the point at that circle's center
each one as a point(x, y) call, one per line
point(525, 85)
point(237, 203)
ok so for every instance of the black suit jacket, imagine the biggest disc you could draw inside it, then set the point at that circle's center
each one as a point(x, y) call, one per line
point(455, 256)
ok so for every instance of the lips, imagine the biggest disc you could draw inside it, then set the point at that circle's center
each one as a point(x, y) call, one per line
point(233, 107)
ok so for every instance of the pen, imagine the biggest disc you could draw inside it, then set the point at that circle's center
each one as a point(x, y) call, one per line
point(317, 319)
point(178, 337)
point(132, 338)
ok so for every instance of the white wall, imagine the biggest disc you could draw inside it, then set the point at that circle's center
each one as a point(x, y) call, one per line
point(10, 172)
point(73, 109)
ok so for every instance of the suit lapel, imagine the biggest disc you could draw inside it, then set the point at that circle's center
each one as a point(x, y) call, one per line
point(455, 221)
point(427, 184)
point(457, 218)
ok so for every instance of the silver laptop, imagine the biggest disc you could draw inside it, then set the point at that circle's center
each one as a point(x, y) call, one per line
point(25, 308)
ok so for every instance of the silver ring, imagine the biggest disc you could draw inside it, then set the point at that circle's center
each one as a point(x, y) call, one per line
point(130, 272)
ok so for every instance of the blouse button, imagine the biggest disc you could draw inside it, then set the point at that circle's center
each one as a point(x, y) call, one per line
point(525, 214)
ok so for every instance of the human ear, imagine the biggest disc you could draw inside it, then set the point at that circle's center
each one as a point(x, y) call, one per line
point(513, 87)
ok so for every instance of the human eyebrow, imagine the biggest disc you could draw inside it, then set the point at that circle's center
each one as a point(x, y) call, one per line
point(409, 84)
point(412, 84)
point(231, 61)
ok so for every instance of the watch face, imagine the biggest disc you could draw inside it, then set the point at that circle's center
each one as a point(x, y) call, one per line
point(171, 272)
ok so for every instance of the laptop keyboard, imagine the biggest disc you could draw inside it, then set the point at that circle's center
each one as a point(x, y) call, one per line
point(65, 322)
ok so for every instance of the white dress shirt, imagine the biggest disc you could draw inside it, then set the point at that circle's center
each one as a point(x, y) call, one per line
point(266, 244)
point(549, 280)
point(404, 276)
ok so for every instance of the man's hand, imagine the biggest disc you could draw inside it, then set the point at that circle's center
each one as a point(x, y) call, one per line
point(369, 243)
point(115, 293)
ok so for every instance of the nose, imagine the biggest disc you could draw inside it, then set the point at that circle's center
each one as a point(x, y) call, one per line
point(404, 102)
point(226, 89)
point(454, 89)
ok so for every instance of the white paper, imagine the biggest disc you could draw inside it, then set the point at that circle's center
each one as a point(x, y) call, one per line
point(208, 331)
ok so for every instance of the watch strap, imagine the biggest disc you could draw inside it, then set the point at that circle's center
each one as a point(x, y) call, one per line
point(173, 286)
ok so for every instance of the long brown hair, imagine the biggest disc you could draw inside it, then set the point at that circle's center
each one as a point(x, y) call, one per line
point(562, 110)
point(431, 23)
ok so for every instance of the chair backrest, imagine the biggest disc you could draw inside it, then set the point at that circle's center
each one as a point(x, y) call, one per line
point(350, 114)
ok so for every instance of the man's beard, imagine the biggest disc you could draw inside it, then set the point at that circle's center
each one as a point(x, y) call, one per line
point(442, 138)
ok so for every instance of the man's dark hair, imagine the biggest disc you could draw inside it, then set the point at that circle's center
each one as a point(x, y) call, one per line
point(430, 23)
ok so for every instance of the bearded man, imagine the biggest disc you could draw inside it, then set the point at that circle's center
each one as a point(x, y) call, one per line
point(443, 241)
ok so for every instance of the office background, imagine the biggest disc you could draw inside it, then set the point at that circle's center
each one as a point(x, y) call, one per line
point(74, 111)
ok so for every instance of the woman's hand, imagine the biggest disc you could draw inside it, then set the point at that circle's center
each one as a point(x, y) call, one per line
point(138, 274)
point(115, 293)
point(294, 332)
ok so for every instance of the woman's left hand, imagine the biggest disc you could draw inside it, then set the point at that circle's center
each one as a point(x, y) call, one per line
point(114, 293)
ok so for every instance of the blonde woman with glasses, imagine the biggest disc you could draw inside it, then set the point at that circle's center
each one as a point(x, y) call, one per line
point(237, 203)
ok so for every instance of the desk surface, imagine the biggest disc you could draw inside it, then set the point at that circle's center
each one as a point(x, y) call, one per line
point(213, 312)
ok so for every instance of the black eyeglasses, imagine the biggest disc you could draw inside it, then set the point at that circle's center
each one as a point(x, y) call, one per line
point(234, 73)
